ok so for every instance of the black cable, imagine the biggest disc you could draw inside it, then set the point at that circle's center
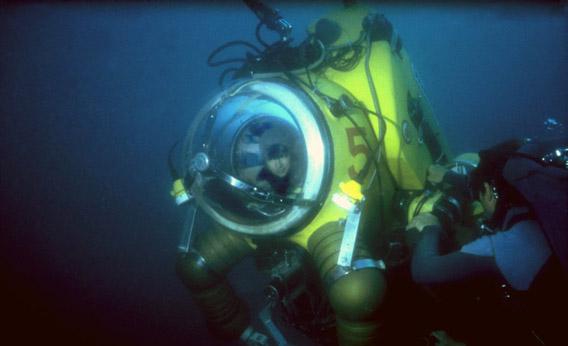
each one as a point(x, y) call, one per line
point(309, 78)
point(227, 45)
point(374, 95)
point(379, 116)
point(341, 61)
point(257, 34)
point(306, 67)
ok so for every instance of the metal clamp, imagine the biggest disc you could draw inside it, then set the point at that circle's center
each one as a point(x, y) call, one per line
point(364, 263)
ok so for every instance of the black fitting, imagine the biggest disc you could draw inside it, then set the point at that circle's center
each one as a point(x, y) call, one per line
point(378, 27)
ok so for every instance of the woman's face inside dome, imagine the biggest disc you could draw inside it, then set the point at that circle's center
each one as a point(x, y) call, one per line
point(278, 160)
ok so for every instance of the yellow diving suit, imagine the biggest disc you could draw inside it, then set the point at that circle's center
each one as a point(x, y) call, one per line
point(354, 128)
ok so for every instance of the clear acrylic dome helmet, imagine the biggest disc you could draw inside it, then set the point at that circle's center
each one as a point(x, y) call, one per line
point(257, 158)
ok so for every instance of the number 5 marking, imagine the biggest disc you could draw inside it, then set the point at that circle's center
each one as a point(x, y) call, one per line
point(354, 148)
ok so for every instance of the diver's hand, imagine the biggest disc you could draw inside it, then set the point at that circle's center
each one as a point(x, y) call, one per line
point(436, 174)
point(423, 220)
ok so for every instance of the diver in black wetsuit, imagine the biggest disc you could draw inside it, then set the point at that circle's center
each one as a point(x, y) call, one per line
point(514, 260)
point(275, 173)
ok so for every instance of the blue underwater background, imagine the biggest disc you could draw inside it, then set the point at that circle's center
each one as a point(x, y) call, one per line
point(92, 96)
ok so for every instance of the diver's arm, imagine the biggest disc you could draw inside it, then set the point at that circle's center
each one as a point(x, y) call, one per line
point(438, 174)
point(430, 266)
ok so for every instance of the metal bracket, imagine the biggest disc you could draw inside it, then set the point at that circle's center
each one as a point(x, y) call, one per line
point(187, 231)
point(350, 235)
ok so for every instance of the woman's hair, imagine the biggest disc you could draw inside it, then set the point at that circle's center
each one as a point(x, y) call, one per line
point(276, 151)
point(490, 170)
